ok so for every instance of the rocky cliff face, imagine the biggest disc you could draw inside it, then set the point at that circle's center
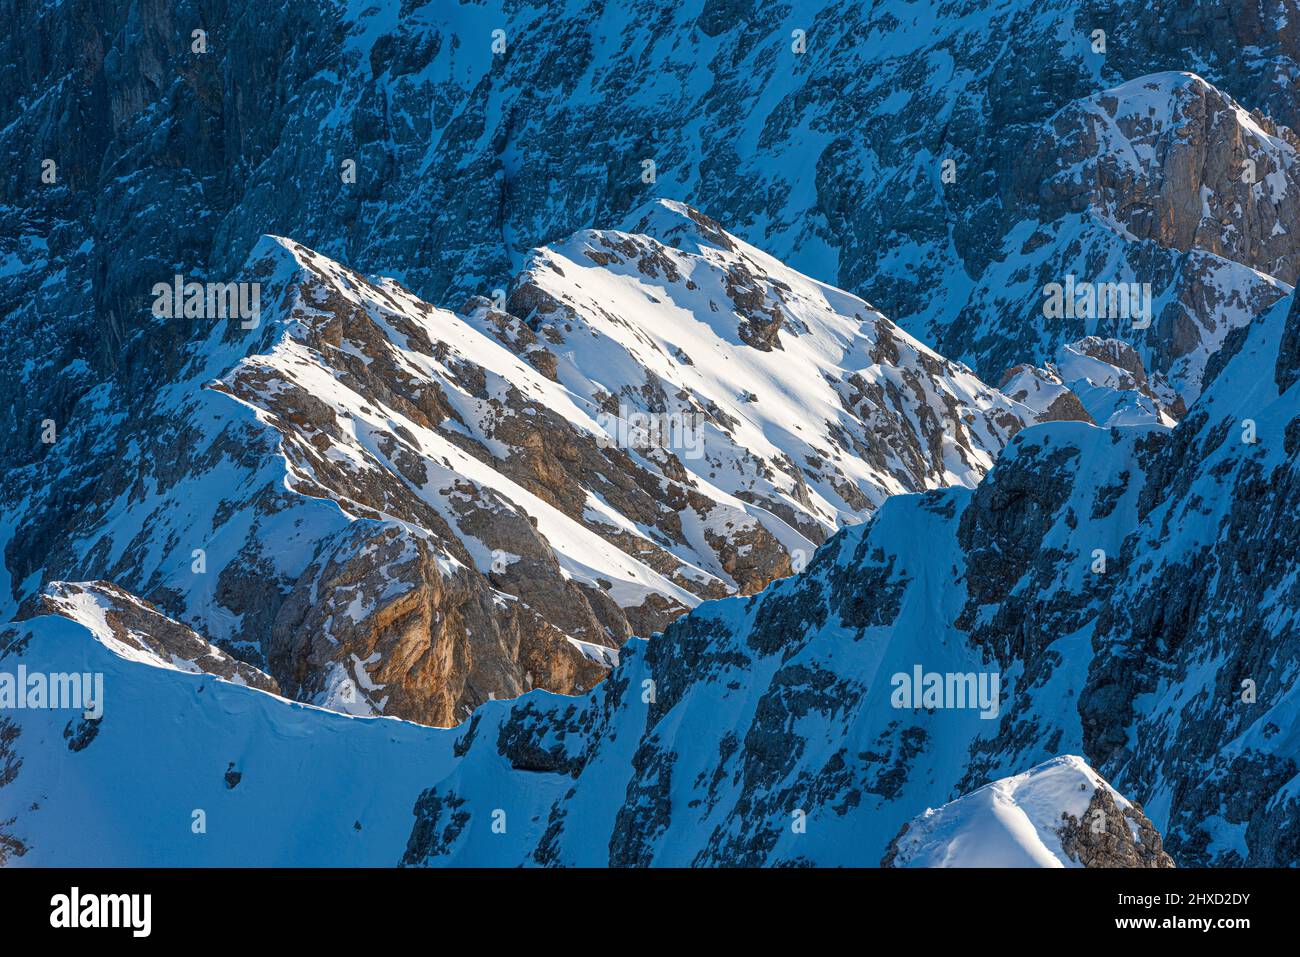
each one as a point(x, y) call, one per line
point(1162, 207)
point(397, 509)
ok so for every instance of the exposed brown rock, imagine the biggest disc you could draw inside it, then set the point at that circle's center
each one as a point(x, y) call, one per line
point(383, 623)
point(1104, 837)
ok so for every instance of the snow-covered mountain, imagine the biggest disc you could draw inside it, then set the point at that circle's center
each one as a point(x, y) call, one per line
point(397, 509)
point(1162, 187)
point(500, 412)
point(1117, 593)
point(1059, 814)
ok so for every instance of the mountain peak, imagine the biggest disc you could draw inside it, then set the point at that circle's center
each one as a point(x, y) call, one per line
point(1060, 813)
point(673, 222)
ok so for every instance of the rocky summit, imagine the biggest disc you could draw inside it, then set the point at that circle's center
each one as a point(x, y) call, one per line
point(565, 433)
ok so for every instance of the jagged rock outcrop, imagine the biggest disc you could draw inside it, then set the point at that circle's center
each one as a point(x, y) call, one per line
point(1156, 213)
point(385, 622)
point(1112, 835)
point(1172, 160)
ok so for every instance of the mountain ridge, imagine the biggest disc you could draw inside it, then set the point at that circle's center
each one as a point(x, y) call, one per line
point(390, 506)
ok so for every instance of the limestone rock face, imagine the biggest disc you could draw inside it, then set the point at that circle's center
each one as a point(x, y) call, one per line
point(1162, 206)
point(1172, 160)
point(1112, 836)
point(382, 622)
